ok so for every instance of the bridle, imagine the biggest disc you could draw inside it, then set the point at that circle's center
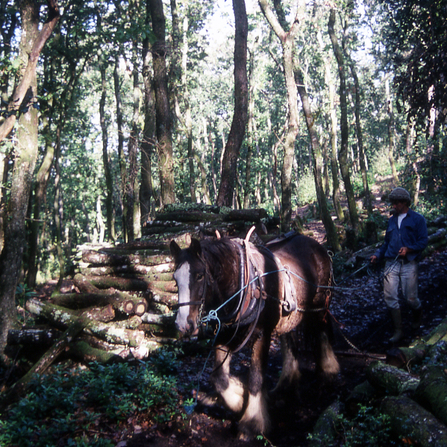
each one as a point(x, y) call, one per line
point(250, 299)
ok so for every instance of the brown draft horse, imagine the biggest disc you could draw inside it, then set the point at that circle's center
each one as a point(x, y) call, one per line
point(247, 293)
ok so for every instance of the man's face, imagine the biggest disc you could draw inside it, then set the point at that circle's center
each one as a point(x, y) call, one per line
point(399, 207)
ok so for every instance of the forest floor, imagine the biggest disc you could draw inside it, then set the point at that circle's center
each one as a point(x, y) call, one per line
point(360, 320)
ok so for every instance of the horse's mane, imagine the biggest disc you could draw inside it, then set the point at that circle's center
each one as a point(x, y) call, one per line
point(222, 257)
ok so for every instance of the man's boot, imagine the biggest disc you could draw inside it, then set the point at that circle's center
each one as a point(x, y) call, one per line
point(417, 318)
point(397, 321)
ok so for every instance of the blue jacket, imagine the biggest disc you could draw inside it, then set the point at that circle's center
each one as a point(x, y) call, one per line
point(412, 234)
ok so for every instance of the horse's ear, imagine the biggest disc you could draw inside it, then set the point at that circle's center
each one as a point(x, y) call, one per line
point(195, 247)
point(174, 249)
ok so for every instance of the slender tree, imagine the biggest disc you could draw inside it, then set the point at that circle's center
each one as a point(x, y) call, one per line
point(240, 115)
point(32, 42)
point(162, 107)
point(343, 152)
point(286, 37)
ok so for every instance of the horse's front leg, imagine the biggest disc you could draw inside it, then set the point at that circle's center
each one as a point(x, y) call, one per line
point(255, 419)
point(229, 388)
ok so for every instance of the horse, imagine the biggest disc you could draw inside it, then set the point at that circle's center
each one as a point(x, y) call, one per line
point(238, 292)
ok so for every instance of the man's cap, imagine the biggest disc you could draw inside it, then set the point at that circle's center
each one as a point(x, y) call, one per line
point(398, 194)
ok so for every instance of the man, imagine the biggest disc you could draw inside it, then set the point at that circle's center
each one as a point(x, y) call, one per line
point(406, 238)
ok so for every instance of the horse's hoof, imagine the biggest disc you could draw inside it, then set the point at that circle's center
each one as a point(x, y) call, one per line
point(242, 436)
point(207, 400)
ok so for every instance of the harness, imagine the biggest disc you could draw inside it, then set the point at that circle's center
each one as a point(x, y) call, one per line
point(251, 295)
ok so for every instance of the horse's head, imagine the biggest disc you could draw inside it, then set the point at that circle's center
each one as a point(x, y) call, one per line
point(190, 276)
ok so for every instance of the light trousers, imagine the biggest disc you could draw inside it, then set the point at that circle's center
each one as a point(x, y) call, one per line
point(403, 273)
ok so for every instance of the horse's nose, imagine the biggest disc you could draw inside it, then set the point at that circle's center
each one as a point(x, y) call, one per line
point(190, 327)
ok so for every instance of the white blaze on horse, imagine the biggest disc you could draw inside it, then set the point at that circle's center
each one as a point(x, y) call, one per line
point(248, 293)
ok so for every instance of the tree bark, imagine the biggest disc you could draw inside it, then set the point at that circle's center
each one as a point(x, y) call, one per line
point(390, 379)
point(148, 140)
point(240, 116)
point(121, 156)
point(106, 160)
point(32, 42)
point(358, 126)
point(432, 392)
point(343, 153)
point(331, 231)
point(14, 393)
point(286, 38)
point(419, 425)
point(334, 157)
point(163, 112)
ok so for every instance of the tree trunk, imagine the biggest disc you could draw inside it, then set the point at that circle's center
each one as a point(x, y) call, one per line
point(390, 130)
point(149, 132)
point(106, 160)
point(58, 210)
point(42, 178)
point(133, 190)
point(286, 38)
point(334, 157)
point(331, 231)
point(121, 156)
point(358, 126)
point(240, 116)
point(343, 153)
point(32, 42)
point(163, 112)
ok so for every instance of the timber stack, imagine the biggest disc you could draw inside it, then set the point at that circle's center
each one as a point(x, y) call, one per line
point(123, 296)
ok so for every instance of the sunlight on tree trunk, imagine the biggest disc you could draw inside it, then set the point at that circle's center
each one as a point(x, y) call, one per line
point(32, 42)
point(286, 38)
point(331, 231)
point(391, 130)
point(240, 115)
point(163, 112)
point(343, 153)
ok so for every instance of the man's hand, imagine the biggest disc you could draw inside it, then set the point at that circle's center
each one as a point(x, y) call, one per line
point(373, 259)
point(404, 251)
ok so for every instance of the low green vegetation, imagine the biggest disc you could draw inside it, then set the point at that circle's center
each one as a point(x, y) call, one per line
point(368, 428)
point(77, 406)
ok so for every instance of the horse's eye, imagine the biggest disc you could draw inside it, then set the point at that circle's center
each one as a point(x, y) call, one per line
point(199, 276)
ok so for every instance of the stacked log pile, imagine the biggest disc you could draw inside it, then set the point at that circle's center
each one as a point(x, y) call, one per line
point(123, 297)
point(410, 388)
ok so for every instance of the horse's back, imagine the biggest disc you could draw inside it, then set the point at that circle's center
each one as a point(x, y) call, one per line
point(305, 255)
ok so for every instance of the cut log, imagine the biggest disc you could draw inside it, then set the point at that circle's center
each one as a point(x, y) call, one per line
point(82, 300)
point(412, 423)
point(82, 351)
point(84, 285)
point(33, 336)
point(326, 426)
point(14, 393)
point(250, 215)
point(115, 282)
point(104, 314)
point(167, 319)
point(389, 379)
point(168, 299)
point(405, 357)
point(432, 392)
point(188, 216)
point(112, 332)
point(102, 258)
point(160, 272)
point(140, 308)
